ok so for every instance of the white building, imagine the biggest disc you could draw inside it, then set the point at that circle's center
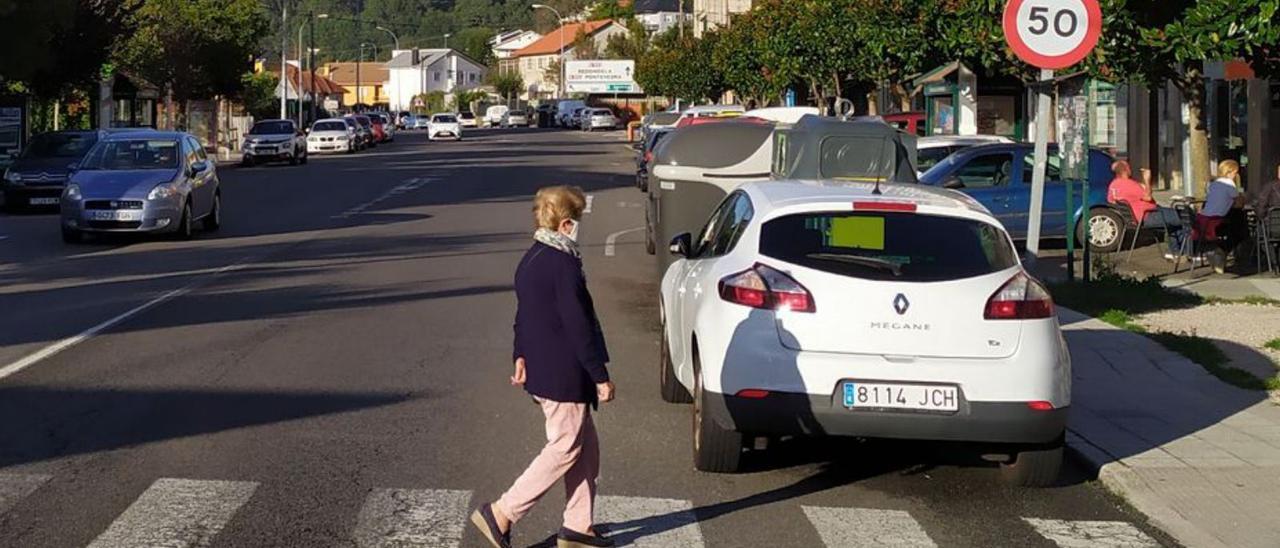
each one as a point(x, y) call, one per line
point(534, 60)
point(506, 44)
point(659, 16)
point(414, 72)
point(709, 14)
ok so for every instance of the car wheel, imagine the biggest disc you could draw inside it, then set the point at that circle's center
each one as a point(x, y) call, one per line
point(185, 231)
point(670, 387)
point(71, 236)
point(304, 157)
point(214, 220)
point(1037, 466)
point(293, 160)
point(1105, 226)
point(714, 449)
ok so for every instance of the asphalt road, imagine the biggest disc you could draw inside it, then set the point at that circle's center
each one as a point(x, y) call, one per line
point(331, 369)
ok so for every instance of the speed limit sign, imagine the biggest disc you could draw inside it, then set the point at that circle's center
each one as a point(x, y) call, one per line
point(1052, 34)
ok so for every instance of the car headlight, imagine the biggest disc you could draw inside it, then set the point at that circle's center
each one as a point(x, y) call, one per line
point(72, 192)
point(163, 191)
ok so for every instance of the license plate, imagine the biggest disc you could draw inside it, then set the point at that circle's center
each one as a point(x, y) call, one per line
point(915, 397)
point(43, 201)
point(113, 215)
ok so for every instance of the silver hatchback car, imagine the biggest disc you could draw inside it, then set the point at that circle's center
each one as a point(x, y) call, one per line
point(142, 182)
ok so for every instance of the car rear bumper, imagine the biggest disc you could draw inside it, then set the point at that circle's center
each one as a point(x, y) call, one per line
point(782, 413)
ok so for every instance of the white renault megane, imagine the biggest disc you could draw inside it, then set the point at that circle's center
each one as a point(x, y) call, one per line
point(847, 309)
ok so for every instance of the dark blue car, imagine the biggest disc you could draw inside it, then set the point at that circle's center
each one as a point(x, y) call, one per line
point(37, 176)
point(999, 177)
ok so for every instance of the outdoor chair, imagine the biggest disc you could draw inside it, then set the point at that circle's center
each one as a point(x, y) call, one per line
point(1193, 245)
point(1268, 241)
point(1131, 225)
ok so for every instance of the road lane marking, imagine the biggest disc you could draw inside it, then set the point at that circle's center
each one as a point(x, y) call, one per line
point(611, 243)
point(408, 185)
point(854, 527)
point(1091, 534)
point(649, 522)
point(49, 351)
point(412, 518)
point(15, 487)
point(590, 199)
point(177, 513)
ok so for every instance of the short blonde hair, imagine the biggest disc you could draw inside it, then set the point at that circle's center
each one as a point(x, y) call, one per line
point(1228, 166)
point(555, 204)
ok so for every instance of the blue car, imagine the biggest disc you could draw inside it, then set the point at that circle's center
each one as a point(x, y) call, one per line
point(999, 177)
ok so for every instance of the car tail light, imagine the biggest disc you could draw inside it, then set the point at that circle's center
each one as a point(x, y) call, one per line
point(753, 394)
point(1040, 406)
point(1021, 298)
point(648, 157)
point(766, 288)
point(885, 207)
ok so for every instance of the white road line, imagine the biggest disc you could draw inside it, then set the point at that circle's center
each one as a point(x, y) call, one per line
point(611, 243)
point(649, 522)
point(1091, 534)
point(3, 238)
point(407, 186)
point(49, 351)
point(856, 527)
point(15, 487)
point(412, 518)
point(590, 199)
point(177, 513)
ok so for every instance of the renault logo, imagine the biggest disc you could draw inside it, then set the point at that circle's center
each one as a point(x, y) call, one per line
point(901, 304)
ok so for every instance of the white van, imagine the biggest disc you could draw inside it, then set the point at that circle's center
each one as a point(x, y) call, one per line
point(564, 111)
point(493, 115)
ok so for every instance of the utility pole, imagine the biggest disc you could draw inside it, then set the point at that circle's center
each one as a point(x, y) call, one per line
point(311, 31)
point(284, 62)
point(359, 58)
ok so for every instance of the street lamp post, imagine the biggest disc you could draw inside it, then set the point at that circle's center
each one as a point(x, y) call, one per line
point(559, 21)
point(359, 90)
point(284, 62)
point(446, 40)
point(311, 51)
point(393, 35)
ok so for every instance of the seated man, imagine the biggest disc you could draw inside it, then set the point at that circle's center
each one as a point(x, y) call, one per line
point(1222, 218)
point(1269, 198)
point(1145, 210)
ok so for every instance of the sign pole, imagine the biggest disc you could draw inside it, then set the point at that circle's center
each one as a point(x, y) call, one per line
point(1043, 104)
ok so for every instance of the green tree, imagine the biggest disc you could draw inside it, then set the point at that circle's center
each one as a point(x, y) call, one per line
point(258, 94)
point(612, 9)
point(630, 45)
point(463, 100)
point(508, 84)
point(474, 43)
point(741, 53)
point(196, 48)
point(681, 69)
point(52, 47)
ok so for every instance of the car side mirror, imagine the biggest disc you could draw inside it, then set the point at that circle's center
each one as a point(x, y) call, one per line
point(681, 245)
point(199, 167)
point(953, 183)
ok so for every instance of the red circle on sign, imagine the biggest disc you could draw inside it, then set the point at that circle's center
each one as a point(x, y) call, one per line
point(1052, 62)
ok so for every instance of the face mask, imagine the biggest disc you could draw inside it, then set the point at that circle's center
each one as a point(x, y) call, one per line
point(573, 230)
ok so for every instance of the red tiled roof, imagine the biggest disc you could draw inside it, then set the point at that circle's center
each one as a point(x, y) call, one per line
point(551, 42)
point(302, 80)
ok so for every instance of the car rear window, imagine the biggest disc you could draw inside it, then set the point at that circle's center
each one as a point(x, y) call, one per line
point(903, 247)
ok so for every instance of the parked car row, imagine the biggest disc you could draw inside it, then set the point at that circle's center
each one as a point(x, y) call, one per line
point(815, 280)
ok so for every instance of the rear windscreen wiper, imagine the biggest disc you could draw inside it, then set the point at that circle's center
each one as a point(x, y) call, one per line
point(869, 262)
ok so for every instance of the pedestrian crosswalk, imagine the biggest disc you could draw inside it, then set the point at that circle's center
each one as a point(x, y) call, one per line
point(184, 513)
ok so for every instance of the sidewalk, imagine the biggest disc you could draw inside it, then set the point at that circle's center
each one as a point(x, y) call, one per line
point(1199, 457)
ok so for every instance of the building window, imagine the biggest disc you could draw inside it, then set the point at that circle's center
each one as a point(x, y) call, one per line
point(436, 75)
point(474, 77)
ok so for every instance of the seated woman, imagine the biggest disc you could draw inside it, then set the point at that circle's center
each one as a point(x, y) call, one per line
point(1222, 218)
point(1146, 212)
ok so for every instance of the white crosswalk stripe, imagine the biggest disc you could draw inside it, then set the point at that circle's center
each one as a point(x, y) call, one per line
point(15, 487)
point(1092, 534)
point(860, 527)
point(412, 518)
point(649, 522)
point(177, 513)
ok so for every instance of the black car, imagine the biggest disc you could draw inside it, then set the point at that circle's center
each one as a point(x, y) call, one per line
point(38, 175)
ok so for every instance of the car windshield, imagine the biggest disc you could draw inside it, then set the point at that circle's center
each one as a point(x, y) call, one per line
point(125, 155)
point(59, 145)
point(467, 116)
point(272, 128)
point(444, 119)
point(329, 126)
point(902, 247)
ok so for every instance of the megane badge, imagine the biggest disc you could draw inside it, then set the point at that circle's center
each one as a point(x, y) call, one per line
point(901, 304)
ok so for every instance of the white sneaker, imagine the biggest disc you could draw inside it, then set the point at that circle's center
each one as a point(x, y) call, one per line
point(1170, 257)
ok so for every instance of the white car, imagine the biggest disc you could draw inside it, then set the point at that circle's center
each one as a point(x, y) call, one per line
point(515, 118)
point(493, 115)
point(824, 308)
point(444, 126)
point(598, 118)
point(331, 135)
point(421, 122)
point(934, 149)
point(467, 119)
point(270, 140)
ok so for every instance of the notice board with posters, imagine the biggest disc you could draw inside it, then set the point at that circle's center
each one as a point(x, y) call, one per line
point(1073, 128)
point(13, 128)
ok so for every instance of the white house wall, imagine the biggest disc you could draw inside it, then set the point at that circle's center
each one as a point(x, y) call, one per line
point(408, 82)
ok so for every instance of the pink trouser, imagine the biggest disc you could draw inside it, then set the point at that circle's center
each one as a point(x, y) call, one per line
point(572, 452)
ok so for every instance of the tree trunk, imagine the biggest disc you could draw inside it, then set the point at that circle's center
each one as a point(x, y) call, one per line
point(1194, 92)
point(904, 97)
point(1153, 136)
point(873, 103)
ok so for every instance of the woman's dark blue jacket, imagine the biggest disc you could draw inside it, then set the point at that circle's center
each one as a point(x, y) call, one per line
point(557, 332)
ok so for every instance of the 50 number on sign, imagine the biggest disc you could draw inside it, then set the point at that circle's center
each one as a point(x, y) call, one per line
point(1052, 34)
